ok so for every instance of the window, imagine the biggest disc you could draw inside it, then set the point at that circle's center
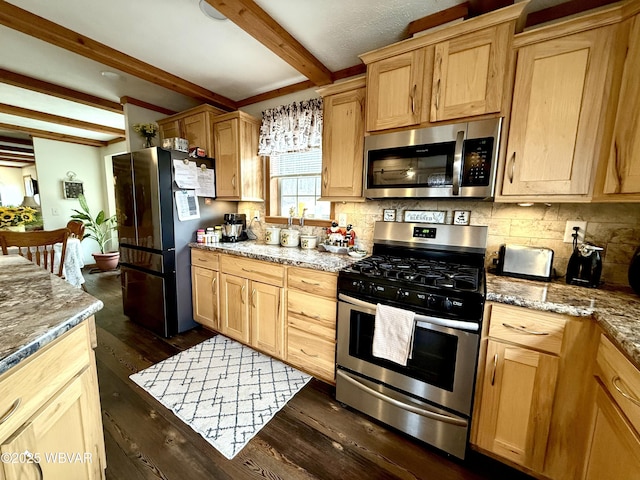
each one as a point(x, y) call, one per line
point(295, 185)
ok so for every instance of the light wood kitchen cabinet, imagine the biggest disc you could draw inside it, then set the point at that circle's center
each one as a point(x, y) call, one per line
point(458, 71)
point(311, 321)
point(205, 279)
point(50, 405)
point(394, 91)
point(252, 303)
point(469, 74)
point(193, 124)
point(561, 96)
point(535, 390)
point(343, 140)
point(620, 178)
point(239, 172)
point(614, 450)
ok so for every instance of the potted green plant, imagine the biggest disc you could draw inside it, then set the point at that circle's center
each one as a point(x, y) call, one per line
point(98, 228)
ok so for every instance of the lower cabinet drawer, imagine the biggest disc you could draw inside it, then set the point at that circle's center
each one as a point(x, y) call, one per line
point(29, 385)
point(312, 353)
point(205, 259)
point(621, 378)
point(312, 314)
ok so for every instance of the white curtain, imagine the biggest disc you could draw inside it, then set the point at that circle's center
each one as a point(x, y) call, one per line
point(291, 128)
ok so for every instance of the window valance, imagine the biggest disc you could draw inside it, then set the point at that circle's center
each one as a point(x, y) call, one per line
point(291, 128)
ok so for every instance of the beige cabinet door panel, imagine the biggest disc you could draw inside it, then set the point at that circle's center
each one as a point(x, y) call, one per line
point(394, 91)
point(623, 173)
point(615, 445)
point(227, 162)
point(196, 131)
point(59, 437)
point(267, 319)
point(469, 74)
point(343, 144)
point(234, 307)
point(205, 296)
point(170, 129)
point(517, 398)
point(556, 109)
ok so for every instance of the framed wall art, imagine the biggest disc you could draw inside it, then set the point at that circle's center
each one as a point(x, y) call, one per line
point(425, 216)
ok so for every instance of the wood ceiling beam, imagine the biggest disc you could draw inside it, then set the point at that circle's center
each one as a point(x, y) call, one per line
point(298, 87)
point(40, 86)
point(257, 23)
point(15, 163)
point(478, 7)
point(61, 137)
point(17, 157)
point(43, 29)
point(67, 122)
point(148, 106)
point(563, 9)
point(10, 148)
point(18, 141)
point(438, 18)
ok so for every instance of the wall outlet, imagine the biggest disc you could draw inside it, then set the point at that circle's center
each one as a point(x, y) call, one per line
point(55, 212)
point(342, 220)
point(256, 215)
point(568, 231)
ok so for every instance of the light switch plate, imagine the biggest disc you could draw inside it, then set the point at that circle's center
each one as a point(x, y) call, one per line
point(342, 220)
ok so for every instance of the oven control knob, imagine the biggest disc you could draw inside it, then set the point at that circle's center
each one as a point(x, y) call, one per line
point(447, 304)
point(432, 302)
point(400, 294)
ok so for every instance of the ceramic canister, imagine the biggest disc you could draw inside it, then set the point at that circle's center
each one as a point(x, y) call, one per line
point(272, 236)
point(308, 242)
point(289, 237)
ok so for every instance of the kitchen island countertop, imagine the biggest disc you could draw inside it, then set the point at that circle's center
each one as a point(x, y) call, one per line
point(314, 259)
point(615, 308)
point(36, 307)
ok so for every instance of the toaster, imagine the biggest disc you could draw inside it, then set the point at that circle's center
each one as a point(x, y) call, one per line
point(523, 261)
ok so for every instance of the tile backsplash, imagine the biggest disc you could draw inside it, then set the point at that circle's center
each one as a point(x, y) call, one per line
point(615, 227)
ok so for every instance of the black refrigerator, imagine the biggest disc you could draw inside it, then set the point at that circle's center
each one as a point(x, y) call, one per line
point(155, 259)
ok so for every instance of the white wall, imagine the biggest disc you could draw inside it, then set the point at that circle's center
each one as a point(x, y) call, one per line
point(53, 160)
point(11, 185)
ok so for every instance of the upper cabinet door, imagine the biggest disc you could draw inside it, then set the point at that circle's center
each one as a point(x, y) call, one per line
point(227, 158)
point(469, 74)
point(559, 94)
point(195, 130)
point(169, 129)
point(343, 144)
point(394, 91)
point(623, 167)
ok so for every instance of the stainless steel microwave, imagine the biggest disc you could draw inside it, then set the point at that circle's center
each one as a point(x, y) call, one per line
point(457, 161)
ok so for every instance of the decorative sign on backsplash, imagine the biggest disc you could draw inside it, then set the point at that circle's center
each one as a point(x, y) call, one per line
point(461, 217)
point(425, 216)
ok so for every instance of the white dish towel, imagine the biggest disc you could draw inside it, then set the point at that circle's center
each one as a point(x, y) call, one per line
point(393, 334)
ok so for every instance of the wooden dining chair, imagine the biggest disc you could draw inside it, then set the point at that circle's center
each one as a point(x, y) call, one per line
point(76, 227)
point(37, 246)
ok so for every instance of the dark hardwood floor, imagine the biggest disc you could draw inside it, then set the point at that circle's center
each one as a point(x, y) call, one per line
point(312, 437)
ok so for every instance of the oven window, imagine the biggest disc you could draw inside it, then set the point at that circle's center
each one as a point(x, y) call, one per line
point(414, 166)
point(434, 353)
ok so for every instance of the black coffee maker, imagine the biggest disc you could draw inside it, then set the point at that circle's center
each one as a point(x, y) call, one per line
point(234, 228)
point(585, 266)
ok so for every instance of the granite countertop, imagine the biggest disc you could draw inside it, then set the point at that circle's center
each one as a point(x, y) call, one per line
point(314, 259)
point(615, 308)
point(36, 307)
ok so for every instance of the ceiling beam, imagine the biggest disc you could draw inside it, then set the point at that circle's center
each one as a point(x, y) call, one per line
point(478, 7)
point(18, 141)
point(148, 106)
point(10, 148)
point(562, 10)
point(40, 86)
point(67, 122)
point(15, 164)
point(43, 29)
point(17, 156)
point(257, 23)
point(61, 137)
point(438, 18)
point(298, 87)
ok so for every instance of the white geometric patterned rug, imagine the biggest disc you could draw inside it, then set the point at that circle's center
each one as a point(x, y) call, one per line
point(223, 390)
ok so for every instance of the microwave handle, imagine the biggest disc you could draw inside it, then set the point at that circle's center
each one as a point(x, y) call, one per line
point(457, 163)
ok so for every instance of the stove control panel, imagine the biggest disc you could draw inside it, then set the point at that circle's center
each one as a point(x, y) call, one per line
point(424, 232)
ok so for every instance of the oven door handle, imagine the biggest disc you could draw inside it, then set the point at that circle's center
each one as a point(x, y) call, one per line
point(460, 422)
point(420, 319)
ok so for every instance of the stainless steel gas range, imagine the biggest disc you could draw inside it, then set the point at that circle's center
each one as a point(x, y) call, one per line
point(437, 272)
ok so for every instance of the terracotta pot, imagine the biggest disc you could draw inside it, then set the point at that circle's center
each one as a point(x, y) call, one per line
point(107, 261)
